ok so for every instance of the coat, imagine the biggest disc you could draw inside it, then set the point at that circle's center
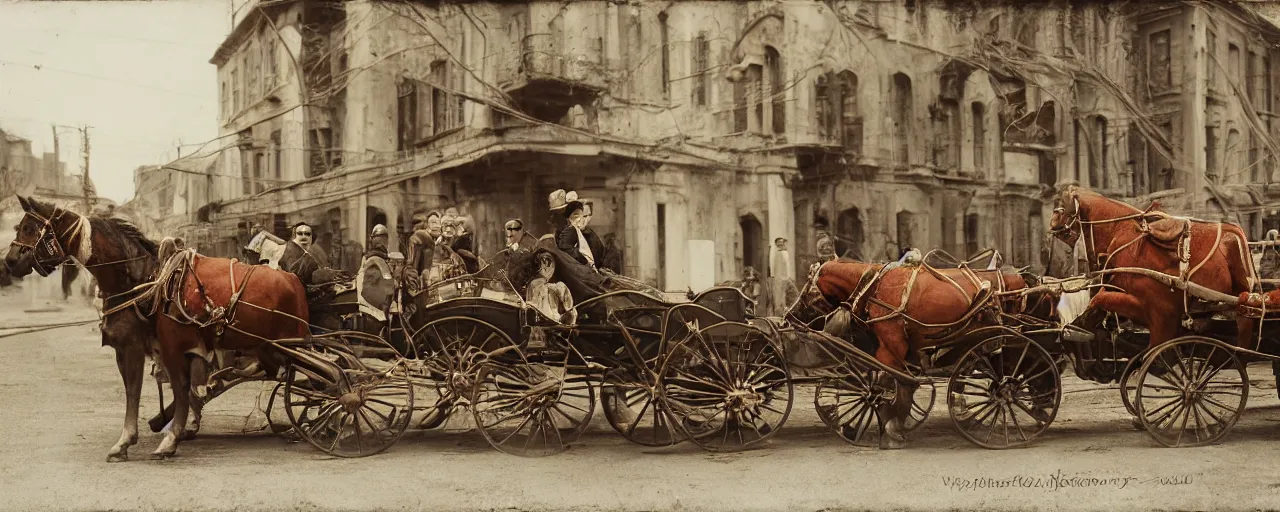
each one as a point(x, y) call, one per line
point(568, 242)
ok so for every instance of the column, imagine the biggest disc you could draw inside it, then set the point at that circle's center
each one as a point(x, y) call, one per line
point(641, 233)
point(358, 231)
point(782, 215)
point(1193, 121)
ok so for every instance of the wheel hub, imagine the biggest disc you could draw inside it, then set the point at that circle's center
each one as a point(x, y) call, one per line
point(742, 399)
point(351, 401)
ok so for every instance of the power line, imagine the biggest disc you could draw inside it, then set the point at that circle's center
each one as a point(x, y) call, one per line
point(96, 35)
point(41, 67)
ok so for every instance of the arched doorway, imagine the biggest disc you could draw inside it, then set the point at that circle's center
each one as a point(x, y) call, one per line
point(754, 246)
point(374, 217)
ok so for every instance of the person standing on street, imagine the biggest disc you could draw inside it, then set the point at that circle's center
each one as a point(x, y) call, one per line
point(781, 275)
point(374, 285)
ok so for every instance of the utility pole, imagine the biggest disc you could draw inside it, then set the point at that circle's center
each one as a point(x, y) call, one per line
point(84, 134)
point(57, 172)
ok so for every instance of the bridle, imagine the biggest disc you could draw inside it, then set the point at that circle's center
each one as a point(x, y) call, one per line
point(48, 252)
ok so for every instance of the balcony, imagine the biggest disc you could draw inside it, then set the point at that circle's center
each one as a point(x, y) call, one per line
point(547, 79)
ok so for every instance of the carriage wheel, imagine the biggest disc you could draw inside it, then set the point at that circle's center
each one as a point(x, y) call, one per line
point(921, 405)
point(1128, 384)
point(1191, 391)
point(360, 415)
point(850, 405)
point(1004, 392)
point(451, 350)
point(726, 386)
point(532, 409)
point(635, 411)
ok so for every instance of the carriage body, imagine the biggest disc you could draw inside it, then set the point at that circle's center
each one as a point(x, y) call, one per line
point(529, 381)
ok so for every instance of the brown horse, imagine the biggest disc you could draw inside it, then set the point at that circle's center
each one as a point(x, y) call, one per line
point(907, 309)
point(120, 258)
point(1212, 254)
point(205, 304)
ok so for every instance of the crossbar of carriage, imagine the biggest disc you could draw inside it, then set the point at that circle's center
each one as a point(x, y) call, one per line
point(711, 372)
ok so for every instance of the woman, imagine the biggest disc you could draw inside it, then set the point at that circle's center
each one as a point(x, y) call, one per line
point(572, 240)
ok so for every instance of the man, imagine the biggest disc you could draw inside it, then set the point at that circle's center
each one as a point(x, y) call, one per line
point(301, 257)
point(404, 286)
point(374, 285)
point(464, 244)
point(781, 275)
point(515, 235)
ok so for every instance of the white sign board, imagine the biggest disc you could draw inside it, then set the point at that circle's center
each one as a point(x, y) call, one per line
point(702, 264)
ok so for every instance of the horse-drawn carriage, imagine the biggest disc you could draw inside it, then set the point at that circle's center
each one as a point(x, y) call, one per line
point(704, 370)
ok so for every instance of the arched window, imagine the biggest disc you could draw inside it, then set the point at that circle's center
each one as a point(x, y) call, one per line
point(777, 89)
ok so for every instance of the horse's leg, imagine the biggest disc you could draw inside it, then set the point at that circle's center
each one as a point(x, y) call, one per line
point(892, 352)
point(177, 366)
point(130, 360)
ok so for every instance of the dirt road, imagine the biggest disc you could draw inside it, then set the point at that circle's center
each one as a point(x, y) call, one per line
point(61, 401)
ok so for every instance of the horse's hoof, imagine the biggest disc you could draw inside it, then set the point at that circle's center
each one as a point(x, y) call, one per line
point(188, 435)
point(162, 456)
point(887, 443)
point(118, 457)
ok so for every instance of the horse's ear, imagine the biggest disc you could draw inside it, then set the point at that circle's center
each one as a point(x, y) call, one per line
point(26, 203)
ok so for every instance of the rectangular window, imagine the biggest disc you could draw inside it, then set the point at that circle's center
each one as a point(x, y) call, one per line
point(740, 105)
point(665, 53)
point(271, 65)
point(1211, 154)
point(979, 136)
point(1254, 166)
point(277, 170)
point(1233, 67)
point(226, 99)
point(662, 246)
point(259, 172)
point(406, 115)
point(701, 56)
point(1266, 84)
point(1079, 32)
point(1158, 68)
point(1211, 66)
point(235, 92)
point(246, 172)
point(1250, 83)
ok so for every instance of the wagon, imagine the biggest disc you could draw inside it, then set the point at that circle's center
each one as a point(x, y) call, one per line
point(1001, 377)
point(704, 370)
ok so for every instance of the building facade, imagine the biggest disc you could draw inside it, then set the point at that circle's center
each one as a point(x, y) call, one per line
point(701, 131)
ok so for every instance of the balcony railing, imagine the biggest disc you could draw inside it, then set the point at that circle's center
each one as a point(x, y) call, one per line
point(545, 56)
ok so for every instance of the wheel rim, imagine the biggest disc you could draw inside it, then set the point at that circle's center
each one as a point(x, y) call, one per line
point(1005, 392)
point(363, 415)
point(635, 411)
point(850, 405)
point(727, 387)
point(1191, 392)
point(452, 350)
point(531, 409)
point(922, 401)
point(1129, 385)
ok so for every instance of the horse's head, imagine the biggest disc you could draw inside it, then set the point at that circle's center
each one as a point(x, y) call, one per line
point(40, 241)
point(829, 284)
point(1065, 223)
point(811, 303)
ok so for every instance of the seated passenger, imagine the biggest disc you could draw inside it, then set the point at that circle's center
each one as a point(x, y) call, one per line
point(572, 240)
point(552, 299)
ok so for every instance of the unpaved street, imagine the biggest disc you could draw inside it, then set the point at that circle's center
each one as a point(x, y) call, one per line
point(62, 404)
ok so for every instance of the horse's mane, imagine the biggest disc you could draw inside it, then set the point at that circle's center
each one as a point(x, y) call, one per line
point(129, 231)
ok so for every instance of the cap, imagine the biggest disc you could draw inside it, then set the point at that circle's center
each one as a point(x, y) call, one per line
point(779, 239)
point(514, 224)
point(378, 230)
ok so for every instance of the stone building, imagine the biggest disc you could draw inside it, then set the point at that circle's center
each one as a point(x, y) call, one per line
point(701, 131)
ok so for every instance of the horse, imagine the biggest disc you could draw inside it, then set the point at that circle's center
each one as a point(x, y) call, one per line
point(902, 309)
point(120, 259)
point(1214, 255)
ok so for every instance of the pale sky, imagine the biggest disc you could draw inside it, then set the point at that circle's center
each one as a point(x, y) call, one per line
point(137, 73)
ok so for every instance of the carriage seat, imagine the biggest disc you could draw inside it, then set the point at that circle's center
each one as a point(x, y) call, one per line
point(1166, 230)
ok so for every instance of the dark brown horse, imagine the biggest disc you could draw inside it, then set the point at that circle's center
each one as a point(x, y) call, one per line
point(906, 309)
point(120, 258)
point(1212, 254)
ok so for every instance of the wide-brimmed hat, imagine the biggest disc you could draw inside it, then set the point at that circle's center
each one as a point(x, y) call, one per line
point(560, 199)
